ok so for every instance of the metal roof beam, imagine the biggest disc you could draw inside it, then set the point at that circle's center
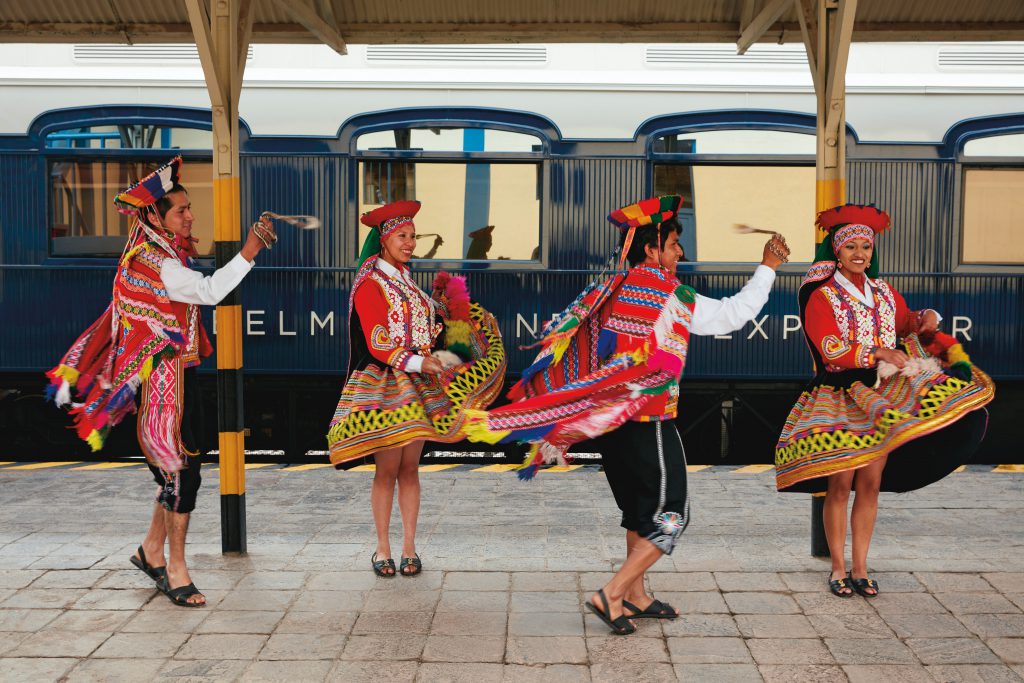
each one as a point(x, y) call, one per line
point(761, 23)
point(308, 16)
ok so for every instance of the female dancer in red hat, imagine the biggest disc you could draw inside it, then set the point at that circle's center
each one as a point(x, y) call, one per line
point(415, 363)
point(894, 404)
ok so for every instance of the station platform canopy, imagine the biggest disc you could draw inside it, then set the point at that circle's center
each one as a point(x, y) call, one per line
point(337, 22)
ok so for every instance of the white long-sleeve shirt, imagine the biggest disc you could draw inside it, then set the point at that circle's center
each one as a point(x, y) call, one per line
point(192, 287)
point(722, 316)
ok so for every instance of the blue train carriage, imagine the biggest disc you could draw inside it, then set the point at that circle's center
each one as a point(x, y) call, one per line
point(519, 207)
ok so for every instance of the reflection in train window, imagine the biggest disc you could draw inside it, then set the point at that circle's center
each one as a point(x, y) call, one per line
point(129, 136)
point(715, 198)
point(744, 142)
point(474, 210)
point(996, 146)
point(442, 139)
point(993, 232)
point(83, 220)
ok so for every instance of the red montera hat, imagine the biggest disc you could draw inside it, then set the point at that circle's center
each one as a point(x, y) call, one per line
point(859, 214)
point(390, 217)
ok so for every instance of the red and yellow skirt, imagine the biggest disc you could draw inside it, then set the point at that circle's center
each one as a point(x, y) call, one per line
point(381, 407)
point(929, 422)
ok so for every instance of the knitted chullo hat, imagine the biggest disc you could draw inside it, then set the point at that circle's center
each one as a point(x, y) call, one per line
point(147, 191)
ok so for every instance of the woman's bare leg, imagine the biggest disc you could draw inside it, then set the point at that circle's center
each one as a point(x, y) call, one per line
point(865, 512)
point(382, 496)
point(409, 495)
point(837, 501)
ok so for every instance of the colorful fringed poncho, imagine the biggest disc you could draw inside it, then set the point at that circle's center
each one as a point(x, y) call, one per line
point(614, 355)
point(143, 340)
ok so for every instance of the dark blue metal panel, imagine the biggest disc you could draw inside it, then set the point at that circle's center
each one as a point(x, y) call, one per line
point(43, 310)
point(310, 185)
point(919, 197)
point(23, 222)
point(577, 229)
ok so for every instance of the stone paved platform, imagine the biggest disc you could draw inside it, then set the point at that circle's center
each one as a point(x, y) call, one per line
point(508, 566)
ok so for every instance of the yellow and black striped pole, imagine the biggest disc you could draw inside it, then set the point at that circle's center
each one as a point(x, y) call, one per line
point(222, 37)
point(827, 29)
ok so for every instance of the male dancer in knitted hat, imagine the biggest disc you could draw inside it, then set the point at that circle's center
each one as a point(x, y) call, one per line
point(148, 343)
point(609, 371)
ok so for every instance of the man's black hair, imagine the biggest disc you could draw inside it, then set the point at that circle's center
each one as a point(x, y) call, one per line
point(163, 204)
point(648, 235)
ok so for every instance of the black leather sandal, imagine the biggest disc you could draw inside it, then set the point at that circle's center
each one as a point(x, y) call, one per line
point(620, 626)
point(656, 610)
point(837, 586)
point(414, 562)
point(863, 585)
point(379, 566)
point(155, 573)
point(180, 595)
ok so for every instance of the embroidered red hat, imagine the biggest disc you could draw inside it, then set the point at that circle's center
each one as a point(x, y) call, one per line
point(390, 217)
point(859, 214)
point(646, 212)
point(151, 188)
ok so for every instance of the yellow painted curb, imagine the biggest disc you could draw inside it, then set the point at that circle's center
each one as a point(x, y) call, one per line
point(364, 468)
point(999, 468)
point(43, 465)
point(108, 465)
point(307, 466)
point(567, 468)
point(436, 468)
point(754, 469)
point(696, 468)
point(960, 469)
point(496, 468)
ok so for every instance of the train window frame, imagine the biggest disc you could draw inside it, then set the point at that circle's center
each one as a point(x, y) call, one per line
point(965, 163)
point(150, 157)
point(980, 164)
point(537, 158)
point(656, 158)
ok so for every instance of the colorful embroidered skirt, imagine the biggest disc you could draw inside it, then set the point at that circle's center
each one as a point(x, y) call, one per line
point(382, 407)
point(929, 424)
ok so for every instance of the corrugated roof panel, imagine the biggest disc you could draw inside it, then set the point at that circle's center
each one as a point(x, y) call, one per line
point(483, 21)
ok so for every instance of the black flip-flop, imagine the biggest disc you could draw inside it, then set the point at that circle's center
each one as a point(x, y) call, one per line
point(379, 565)
point(620, 626)
point(155, 573)
point(862, 586)
point(180, 595)
point(656, 610)
point(413, 562)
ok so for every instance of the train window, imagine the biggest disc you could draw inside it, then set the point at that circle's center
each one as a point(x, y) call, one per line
point(472, 210)
point(83, 220)
point(745, 142)
point(132, 136)
point(715, 198)
point(443, 139)
point(992, 198)
point(996, 146)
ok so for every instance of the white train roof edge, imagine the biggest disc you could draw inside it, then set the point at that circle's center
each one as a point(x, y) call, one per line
point(906, 92)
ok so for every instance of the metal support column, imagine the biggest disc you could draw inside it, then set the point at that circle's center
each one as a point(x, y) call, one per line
point(222, 32)
point(827, 28)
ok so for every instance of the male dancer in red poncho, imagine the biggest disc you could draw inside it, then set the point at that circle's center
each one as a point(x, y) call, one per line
point(148, 343)
point(609, 370)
